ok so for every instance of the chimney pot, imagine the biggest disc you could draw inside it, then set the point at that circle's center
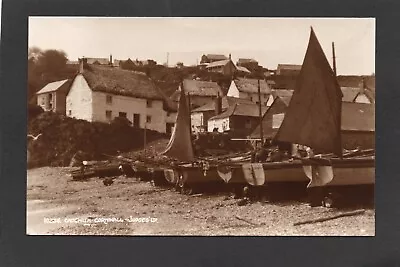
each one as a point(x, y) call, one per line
point(81, 63)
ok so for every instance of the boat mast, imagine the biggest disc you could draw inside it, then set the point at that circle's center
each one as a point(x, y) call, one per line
point(340, 117)
point(260, 113)
point(334, 58)
point(190, 113)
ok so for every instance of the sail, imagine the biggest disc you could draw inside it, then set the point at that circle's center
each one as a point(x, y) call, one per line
point(313, 117)
point(180, 145)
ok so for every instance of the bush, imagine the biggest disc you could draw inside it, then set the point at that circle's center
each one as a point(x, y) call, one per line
point(34, 110)
point(63, 137)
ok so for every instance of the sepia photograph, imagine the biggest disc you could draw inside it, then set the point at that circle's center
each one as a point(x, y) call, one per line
point(200, 126)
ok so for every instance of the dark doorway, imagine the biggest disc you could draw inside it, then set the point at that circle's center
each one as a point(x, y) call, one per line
point(136, 120)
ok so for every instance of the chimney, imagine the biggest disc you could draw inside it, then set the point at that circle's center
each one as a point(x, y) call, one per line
point(111, 61)
point(363, 85)
point(230, 57)
point(218, 105)
point(81, 62)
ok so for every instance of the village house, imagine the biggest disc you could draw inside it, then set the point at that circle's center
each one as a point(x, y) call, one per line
point(248, 63)
point(358, 93)
point(102, 93)
point(248, 89)
point(226, 67)
point(274, 116)
point(201, 92)
point(358, 121)
point(201, 115)
point(52, 97)
point(238, 120)
point(209, 58)
point(288, 69)
point(358, 125)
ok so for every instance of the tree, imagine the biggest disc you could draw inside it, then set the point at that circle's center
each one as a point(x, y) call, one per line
point(44, 67)
point(52, 61)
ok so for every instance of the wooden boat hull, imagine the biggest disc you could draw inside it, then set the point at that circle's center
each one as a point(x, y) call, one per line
point(340, 172)
point(196, 175)
point(284, 172)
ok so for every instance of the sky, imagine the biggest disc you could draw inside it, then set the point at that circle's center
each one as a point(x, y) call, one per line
point(271, 41)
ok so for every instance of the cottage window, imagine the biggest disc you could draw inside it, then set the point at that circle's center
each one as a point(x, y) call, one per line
point(148, 119)
point(122, 114)
point(109, 99)
point(149, 103)
point(108, 114)
point(69, 112)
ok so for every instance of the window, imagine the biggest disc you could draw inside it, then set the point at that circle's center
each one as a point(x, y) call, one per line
point(108, 114)
point(122, 114)
point(148, 119)
point(149, 103)
point(109, 99)
point(69, 112)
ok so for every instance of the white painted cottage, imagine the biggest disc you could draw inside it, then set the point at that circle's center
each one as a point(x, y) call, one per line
point(101, 93)
point(248, 89)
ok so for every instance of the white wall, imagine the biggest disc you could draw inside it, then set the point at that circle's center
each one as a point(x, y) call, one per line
point(130, 105)
point(233, 90)
point(197, 120)
point(79, 100)
point(361, 98)
point(91, 106)
point(221, 124)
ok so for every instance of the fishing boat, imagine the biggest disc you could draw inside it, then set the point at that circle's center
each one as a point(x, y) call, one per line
point(193, 172)
point(315, 112)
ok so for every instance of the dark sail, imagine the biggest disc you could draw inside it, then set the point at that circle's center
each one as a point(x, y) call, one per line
point(180, 145)
point(313, 117)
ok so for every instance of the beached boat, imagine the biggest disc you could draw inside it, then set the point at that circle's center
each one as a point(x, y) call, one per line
point(315, 112)
point(195, 172)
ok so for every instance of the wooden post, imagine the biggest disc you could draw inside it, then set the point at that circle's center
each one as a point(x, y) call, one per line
point(145, 136)
point(334, 58)
point(260, 113)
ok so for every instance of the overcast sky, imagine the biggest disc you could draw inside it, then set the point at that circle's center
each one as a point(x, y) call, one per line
point(268, 40)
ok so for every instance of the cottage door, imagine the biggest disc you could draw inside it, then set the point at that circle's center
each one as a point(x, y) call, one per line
point(136, 120)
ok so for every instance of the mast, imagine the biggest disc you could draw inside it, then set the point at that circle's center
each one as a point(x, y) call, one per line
point(260, 113)
point(313, 117)
point(340, 111)
point(334, 58)
point(190, 113)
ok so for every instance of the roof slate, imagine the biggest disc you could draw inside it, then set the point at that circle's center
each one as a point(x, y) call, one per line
point(52, 87)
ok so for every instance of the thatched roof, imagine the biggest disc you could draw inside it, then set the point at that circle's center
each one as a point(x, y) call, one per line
point(121, 82)
point(227, 101)
point(240, 109)
point(251, 86)
point(198, 88)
